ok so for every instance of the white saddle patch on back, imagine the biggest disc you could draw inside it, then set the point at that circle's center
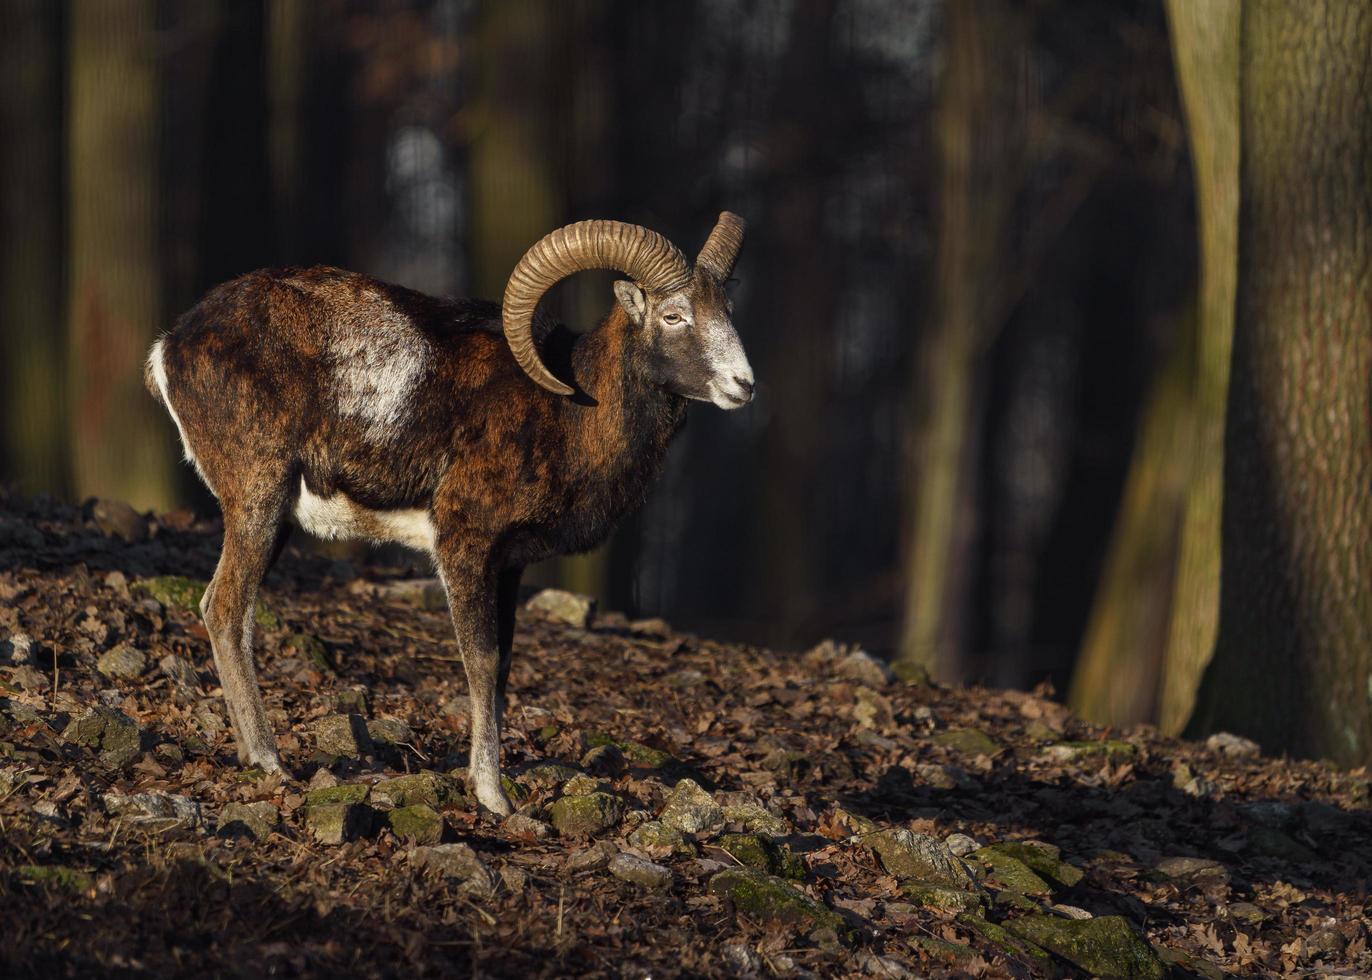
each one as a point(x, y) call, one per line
point(377, 364)
point(338, 516)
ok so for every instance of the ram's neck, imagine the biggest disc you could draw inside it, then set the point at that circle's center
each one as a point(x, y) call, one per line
point(626, 430)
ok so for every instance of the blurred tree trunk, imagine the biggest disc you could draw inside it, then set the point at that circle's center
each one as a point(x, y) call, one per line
point(1292, 659)
point(1205, 44)
point(290, 44)
point(1119, 670)
point(31, 245)
point(120, 445)
point(976, 131)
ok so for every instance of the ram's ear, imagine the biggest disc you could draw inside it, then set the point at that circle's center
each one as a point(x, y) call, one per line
point(632, 299)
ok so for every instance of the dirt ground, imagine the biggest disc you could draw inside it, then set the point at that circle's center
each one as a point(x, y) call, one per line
point(885, 819)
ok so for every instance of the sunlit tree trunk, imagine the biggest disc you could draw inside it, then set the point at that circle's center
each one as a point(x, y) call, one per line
point(120, 444)
point(31, 336)
point(976, 133)
point(1205, 44)
point(1293, 665)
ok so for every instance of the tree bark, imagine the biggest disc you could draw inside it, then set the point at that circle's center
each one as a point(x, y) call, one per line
point(31, 246)
point(1292, 659)
point(1205, 44)
point(120, 445)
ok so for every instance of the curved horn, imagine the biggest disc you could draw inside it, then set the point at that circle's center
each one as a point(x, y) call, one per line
point(642, 255)
point(720, 251)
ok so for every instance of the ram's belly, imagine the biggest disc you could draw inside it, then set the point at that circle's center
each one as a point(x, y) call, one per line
point(338, 516)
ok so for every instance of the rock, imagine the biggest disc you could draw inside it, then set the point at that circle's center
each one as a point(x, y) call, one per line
point(19, 650)
point(873, 710)
point(854, 823)
point(161, 811)
point(1235, 746)
point(1192, 783)
point(418, 823)
point(762, 854)
point(911, 674)
point(337, 823)
point(456, 861)
point(114, 734)
point(657, 838)
point(169, 754)
point(762, 896)
point(593, 858)
point(584, 816)
point(583, 784)
point(755, 818)
point(257, 820)
point(1112, 749)
point(941, 897)
point(968, 741)
point(691, 810)
point(1043, 859)
point(960, 844)
point(342, 735)
point(312, 649)
point(608, 760)
point(121, 663)
point(1013, 946)
point(181, 676)
point(1247, 913)
point(546, 775)
point(1105, 946)
point(423, 593)
point(352, 701)
point(336, 794)
point(390, 731)
point(564, 607)
point(67, 879)
point(208, 716)
point(180, 592)
point(740, 960)
point(1007, 872)
point(429, 788)
point(1191, 867)
point(910, 855)
point(523, 825)
point(637, 871)
point(514, 878)
point(862, 667)
point(116, 519)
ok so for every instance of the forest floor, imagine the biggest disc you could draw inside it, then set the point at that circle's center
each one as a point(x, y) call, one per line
point(713, 810)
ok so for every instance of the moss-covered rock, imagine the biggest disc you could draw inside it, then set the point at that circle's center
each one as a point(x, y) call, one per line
point(585, 816)
point(336, 823)
point(345, 736)
point(691, 810)
point(762, 854)
point(637, 871)
point(656, 838)
point(122, 663)
point(459, 862)
point(311, 648)
point(1107, 946)
point(1011, 945)
point(517, 792)
point(392, 732)
point(342, 793)
point(429, 788)
point(754, 818)
point(155, 811)
point(419, 823)
point(564, 607)
point(548, 774)
point(1112, 749)
point(932, 895)
point(909, 855)
point(1007, 872)
point(57, 876)
point(763, 896)
point(180, 592)
point(109, 731)
point(968, 741)
point(1045, 860)
point(256, 820)
point(912, 674)
point(637, 753)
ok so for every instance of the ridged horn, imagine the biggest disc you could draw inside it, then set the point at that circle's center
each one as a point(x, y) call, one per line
point(720, 251)
point(641, 254)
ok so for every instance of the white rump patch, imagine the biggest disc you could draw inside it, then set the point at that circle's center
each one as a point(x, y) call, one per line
point(338, 516)
point(159, 375)
point(377, 363)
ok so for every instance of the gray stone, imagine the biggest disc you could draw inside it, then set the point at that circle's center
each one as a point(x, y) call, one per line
point(1235, 746)
point(1111, 749)
point(607, 760)
point(116, 519)
point(181, 676)
point(342, 735)
point(456, 861)
point(905, 854)
point(862, 667)
point(968, 741)
point(418, 823)
point(1191, 867)
point(114, 734)
point(18, 650)
point(583, 784)
point(564, 607)
point(762, 896)
point(691, 810)
point(960, 844)
point(424, 593)
point(643, 873)
point(208, 716)
point(757, 819)
point(428, 788)
point(390, 731)
point(657, 839)
point(336, 792)
point(593, 858)
point(257, 820)
point(584, 816)
point(523, 825)
point(161, 811)
point(337, 823)
point(122, 663)
point(1105, 946)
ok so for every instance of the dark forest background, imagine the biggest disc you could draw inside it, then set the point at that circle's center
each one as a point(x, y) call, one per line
point(970, 278)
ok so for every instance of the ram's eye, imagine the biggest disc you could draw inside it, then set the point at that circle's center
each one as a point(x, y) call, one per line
point(673, 319)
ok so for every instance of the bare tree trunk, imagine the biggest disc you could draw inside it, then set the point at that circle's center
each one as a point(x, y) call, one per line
point(31, 245)
point(1292, 660)
point(976, 131)
point(120, 446)
point(1205, 44)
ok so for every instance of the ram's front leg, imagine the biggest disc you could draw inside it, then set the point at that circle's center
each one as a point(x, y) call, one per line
point(471, 588)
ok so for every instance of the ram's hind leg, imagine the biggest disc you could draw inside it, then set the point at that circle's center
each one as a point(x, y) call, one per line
point(250, 537)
